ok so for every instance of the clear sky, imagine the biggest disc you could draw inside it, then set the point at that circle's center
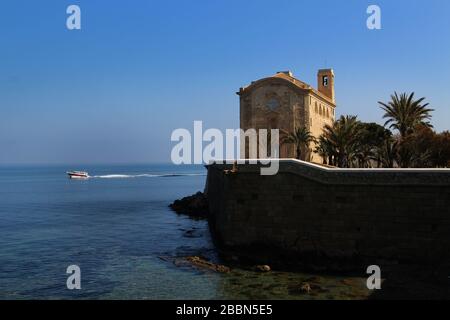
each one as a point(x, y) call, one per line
point(114, 90)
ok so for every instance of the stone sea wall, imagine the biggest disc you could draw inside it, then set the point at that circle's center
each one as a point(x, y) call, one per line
point(309, 213)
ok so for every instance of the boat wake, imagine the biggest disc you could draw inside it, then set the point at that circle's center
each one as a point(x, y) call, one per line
point(147, 175)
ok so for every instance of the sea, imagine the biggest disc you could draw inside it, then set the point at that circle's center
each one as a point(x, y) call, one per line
point(117, 228)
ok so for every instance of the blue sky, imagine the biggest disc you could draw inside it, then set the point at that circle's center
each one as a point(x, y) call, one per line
point(115, 90)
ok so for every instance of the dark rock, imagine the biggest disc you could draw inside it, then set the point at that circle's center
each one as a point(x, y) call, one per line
point(193, 233)
point(195, 206)
point(166, 258)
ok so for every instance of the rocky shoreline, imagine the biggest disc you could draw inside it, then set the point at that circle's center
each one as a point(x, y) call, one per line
point(196, 206)
point(399, 280)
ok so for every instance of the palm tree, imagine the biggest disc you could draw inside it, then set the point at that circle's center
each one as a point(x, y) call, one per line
point(364, 155)
point(343, 136)
point(325, 150)
point(386, 154)
point(301, 138)
point(371, 136)
point(404, 113)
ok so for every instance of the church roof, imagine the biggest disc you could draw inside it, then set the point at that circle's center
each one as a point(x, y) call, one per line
point(287, 76)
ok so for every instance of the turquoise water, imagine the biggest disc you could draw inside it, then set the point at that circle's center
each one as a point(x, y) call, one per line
point(116, 226)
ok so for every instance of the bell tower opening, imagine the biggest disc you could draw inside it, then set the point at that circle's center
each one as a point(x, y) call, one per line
point(325, 83)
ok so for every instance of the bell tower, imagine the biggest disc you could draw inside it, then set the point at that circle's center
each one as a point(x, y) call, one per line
point(325, 83)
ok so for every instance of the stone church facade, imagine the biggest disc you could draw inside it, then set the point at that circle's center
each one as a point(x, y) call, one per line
point(286, 103)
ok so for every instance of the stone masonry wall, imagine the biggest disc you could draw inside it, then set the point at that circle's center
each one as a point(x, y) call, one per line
point(297, 108)
point(307, 210)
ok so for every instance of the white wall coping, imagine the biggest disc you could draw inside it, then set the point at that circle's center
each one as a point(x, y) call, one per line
point(323, 168)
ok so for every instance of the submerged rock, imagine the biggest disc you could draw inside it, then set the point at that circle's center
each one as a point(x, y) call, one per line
point(306, 288)
point(194, 206)
point(299, 289)
point(262, 268)
point(195, 261)
point(204, 264)
point(193, 233)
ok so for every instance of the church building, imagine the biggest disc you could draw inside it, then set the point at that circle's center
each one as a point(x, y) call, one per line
point(286, 103)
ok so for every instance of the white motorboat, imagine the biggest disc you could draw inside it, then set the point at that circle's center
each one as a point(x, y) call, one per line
point(78, 175)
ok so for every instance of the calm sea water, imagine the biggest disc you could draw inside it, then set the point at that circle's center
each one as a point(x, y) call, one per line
point(116, 226)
